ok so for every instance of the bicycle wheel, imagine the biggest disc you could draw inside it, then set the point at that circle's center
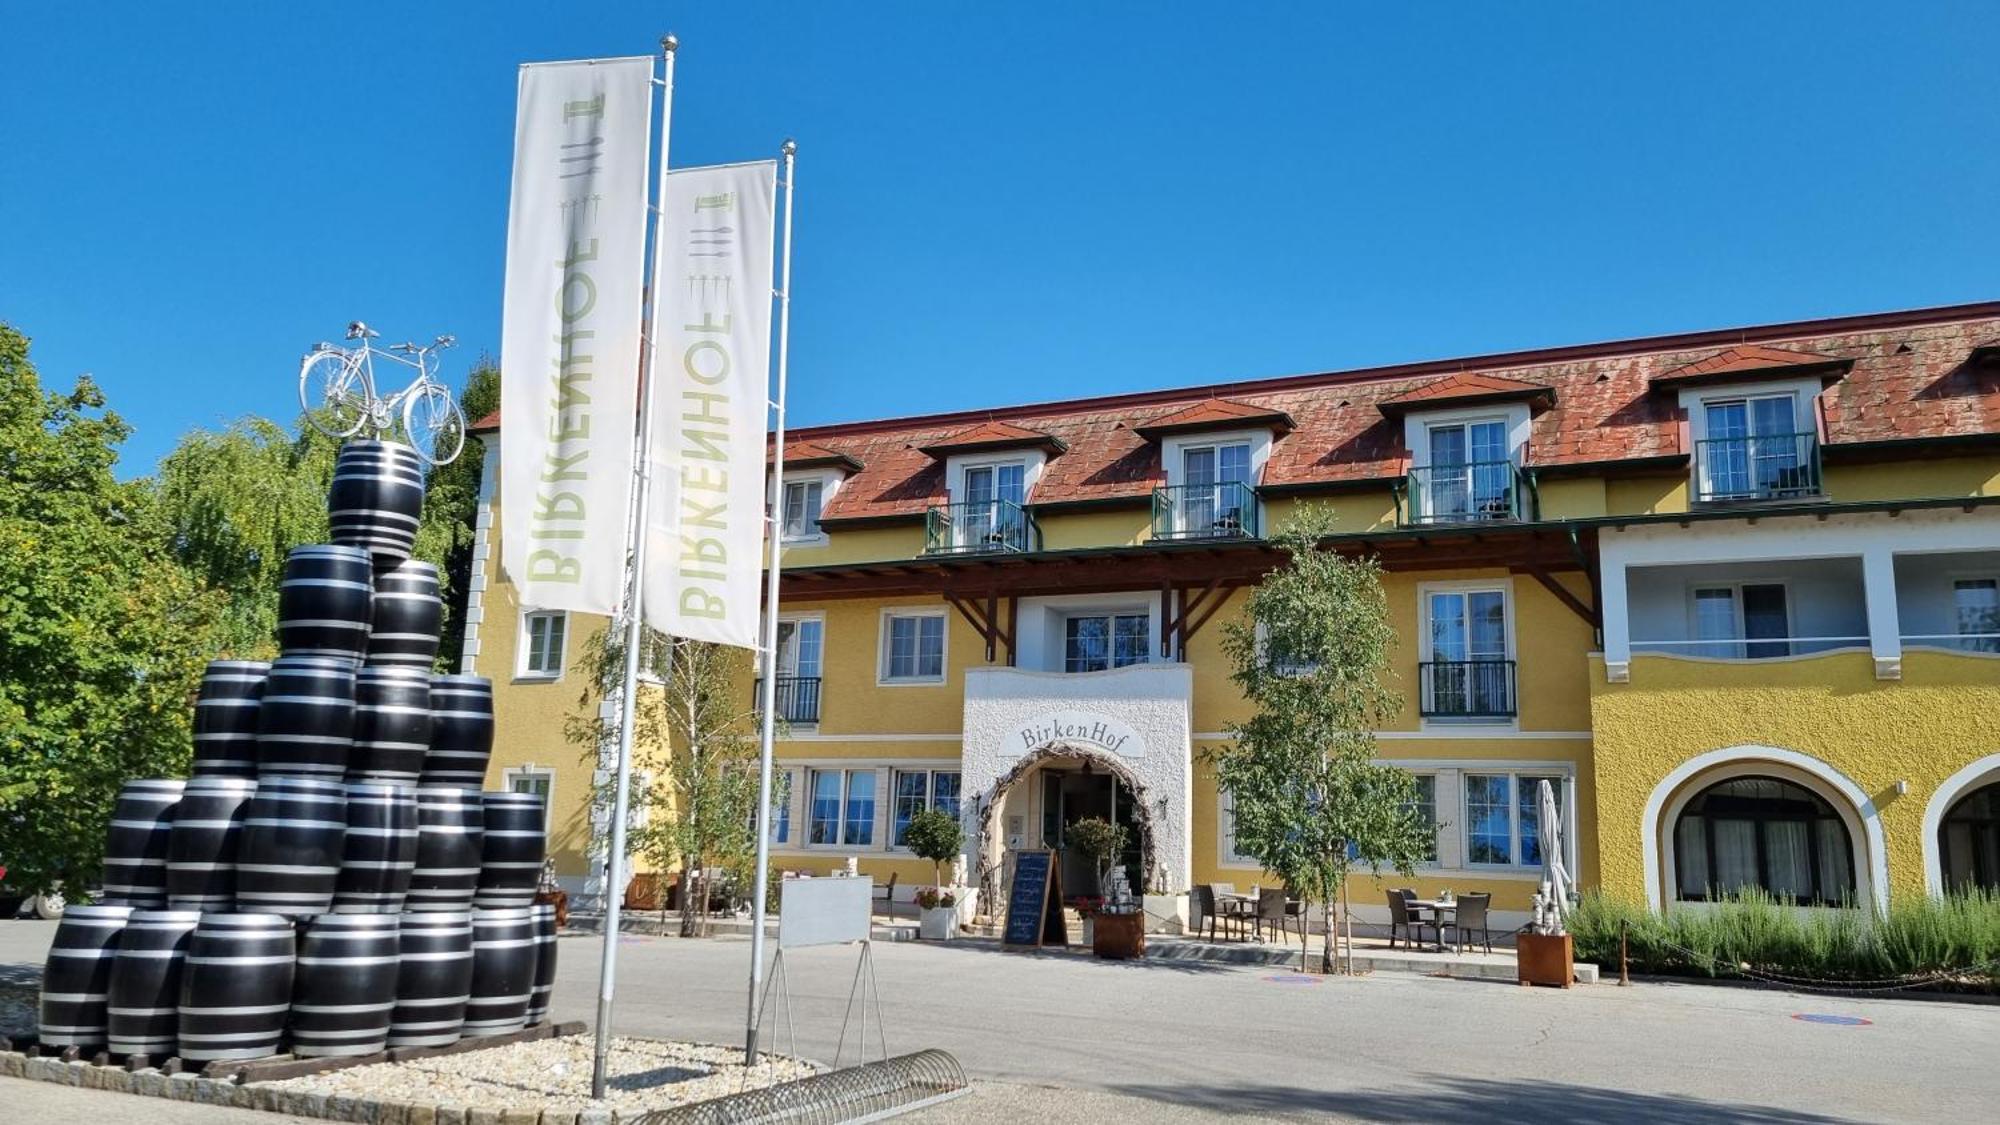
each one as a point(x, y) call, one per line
point(433, 424)
point(332, 392)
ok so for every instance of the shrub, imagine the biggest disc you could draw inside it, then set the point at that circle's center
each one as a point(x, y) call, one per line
point(931, 898)
point(1755, 933)
point(935, 835)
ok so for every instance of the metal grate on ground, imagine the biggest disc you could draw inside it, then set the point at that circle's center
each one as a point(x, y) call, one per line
point(868, 1092)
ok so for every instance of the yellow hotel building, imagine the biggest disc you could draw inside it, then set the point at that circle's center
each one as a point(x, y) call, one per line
point(1737, 593)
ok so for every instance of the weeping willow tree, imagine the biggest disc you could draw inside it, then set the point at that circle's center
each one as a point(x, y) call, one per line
point(694, 738)
point(1312, 658)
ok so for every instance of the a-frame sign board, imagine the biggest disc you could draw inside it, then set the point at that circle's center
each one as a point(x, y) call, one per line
point(1034, 903)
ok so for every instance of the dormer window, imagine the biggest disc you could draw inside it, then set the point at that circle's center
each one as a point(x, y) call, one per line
point(1750, 421)
point(990, 471)
point(813, 476)
point(804, 499)
point(1468, 437)
point(1213, 454)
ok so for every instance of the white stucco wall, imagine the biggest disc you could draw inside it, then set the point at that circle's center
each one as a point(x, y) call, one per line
point(1146, 713)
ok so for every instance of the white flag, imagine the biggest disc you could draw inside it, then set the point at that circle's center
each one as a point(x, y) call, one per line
point(569, 348)
point(706, 526)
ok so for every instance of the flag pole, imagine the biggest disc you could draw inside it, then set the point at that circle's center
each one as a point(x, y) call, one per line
point(607, 979)
point(768, 690)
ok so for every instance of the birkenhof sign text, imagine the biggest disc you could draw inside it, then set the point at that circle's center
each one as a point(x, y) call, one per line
point(1101, 731)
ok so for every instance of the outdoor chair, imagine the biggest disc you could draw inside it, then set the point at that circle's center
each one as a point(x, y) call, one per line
point(1402, 917)
point(887, 893)
point(1231, 909)
point(1277, 908)
point(1469, 917)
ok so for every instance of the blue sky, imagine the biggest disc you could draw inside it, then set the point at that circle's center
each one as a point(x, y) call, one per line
point(1008, 204)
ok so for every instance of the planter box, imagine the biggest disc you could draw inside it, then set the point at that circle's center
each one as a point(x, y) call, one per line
point(1545, 959)
point(937, 923)
point(1119, 937)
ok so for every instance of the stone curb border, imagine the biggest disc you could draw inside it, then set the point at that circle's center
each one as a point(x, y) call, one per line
point(190, 1087)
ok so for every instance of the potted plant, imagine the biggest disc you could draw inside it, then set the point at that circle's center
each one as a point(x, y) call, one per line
point(939, 915)
point(1111, 935)
point(935, 835)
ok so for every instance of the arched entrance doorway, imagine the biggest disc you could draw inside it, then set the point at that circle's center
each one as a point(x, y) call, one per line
point(1049, 788)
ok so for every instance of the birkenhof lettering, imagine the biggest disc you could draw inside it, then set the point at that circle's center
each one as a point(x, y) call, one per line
point(707, 411)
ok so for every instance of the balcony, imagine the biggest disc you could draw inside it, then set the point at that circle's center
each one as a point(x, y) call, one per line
point(980, 527)
point(1757, 468)
point(1763, 610)
point(1470, 492)
point(797, 698)
point(1206, 511)
point(1466, 689)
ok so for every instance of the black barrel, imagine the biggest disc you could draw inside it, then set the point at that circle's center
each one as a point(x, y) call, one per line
point(288, 858)
point(544, 915)
point(236, 986)
point(305, 722)
point(345, 988)
point(225, 718)
point(146, 982)
point(510, 850)
point(325, 602)
point(135, 848)
point(461, 731)
point(392, 725)
point(449, 831)
point(434, 980)
point(503, 972)
point(76, 978)
point(379, 850)
point(201, 851)
point(377, 498)
point(408, 612)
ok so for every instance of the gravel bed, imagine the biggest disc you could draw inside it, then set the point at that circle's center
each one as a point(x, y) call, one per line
point(555, 1074)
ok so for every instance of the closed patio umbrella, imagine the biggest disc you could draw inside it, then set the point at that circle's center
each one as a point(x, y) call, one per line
point(1555, 876)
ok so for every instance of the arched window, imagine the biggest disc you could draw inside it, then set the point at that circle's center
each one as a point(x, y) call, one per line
point(1969, 840)
point(1760, 833)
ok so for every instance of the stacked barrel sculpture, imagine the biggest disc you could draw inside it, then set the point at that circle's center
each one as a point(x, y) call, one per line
point(330, 881)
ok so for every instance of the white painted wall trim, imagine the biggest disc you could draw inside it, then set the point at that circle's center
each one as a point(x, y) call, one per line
point(1871, 867)
point(1455, 734)
point(482, 550)
point(1957, 785)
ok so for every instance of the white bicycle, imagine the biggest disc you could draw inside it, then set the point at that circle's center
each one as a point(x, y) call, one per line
point(337, 392)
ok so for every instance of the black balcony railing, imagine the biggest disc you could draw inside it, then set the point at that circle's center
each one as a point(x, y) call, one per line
point(1759, 467)
point(980, 527)
point(1467, 492)
point(1205, 511)
point(1466, 689)
point(797, 698)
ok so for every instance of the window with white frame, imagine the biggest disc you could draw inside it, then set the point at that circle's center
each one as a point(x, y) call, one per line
point(912, 647)
point(1503, 818)
point(1426, 804)
point(803, 501)
point(1471, 471)
point(1741, 620)
point(1754, 447)
point(543, 633)
point(1096, 642)
point(540, 782)
point(843, 808)
point(798, 666)
point(1466, 669)
point(781, 808)
point(1976, 604)
point(1232, 856)
point(917, 790)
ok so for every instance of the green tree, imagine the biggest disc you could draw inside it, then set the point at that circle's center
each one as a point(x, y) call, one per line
point(102, 635)
point(694, 739)
point(1311, 657)
point(935, 835)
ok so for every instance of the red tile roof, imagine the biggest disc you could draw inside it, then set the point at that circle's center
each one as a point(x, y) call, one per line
point(1218, 414)
point(993, 435)
point(490, 422)
point(812, 455)
point(1751, 359)
point(1909, 379)
point(1463, 390)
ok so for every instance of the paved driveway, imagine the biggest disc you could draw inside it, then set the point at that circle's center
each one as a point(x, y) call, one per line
point(1188, 1040)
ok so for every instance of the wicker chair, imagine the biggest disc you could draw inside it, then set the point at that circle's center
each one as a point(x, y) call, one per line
point(1402, 918)
point(1469, 917)
point(1277, 908)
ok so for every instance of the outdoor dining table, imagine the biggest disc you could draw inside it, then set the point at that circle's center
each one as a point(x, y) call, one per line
point(1237, 905)
point(1438, 908)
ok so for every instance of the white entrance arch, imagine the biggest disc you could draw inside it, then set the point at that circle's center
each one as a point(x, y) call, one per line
point(1856, 808)
point(1979, 773)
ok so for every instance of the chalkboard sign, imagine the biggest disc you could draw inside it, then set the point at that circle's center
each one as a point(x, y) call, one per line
point(1034, 902)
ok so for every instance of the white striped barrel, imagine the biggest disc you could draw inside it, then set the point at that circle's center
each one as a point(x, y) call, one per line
point(510, 850)
point(377, 499)
point(288, 859)
point(305, 721)
point(408, 611)
point(236, 986)
point(225, 718)
point(145, 991)
point(392, 725)
point(379, 851)
point(201, 849)
point(76, 978)
point(539, 997)
point(135, 847)
point(461, 731)
point(345, 987)
point(434, 980)
point(325, 602)
point(503, 972)
point(450, 825)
